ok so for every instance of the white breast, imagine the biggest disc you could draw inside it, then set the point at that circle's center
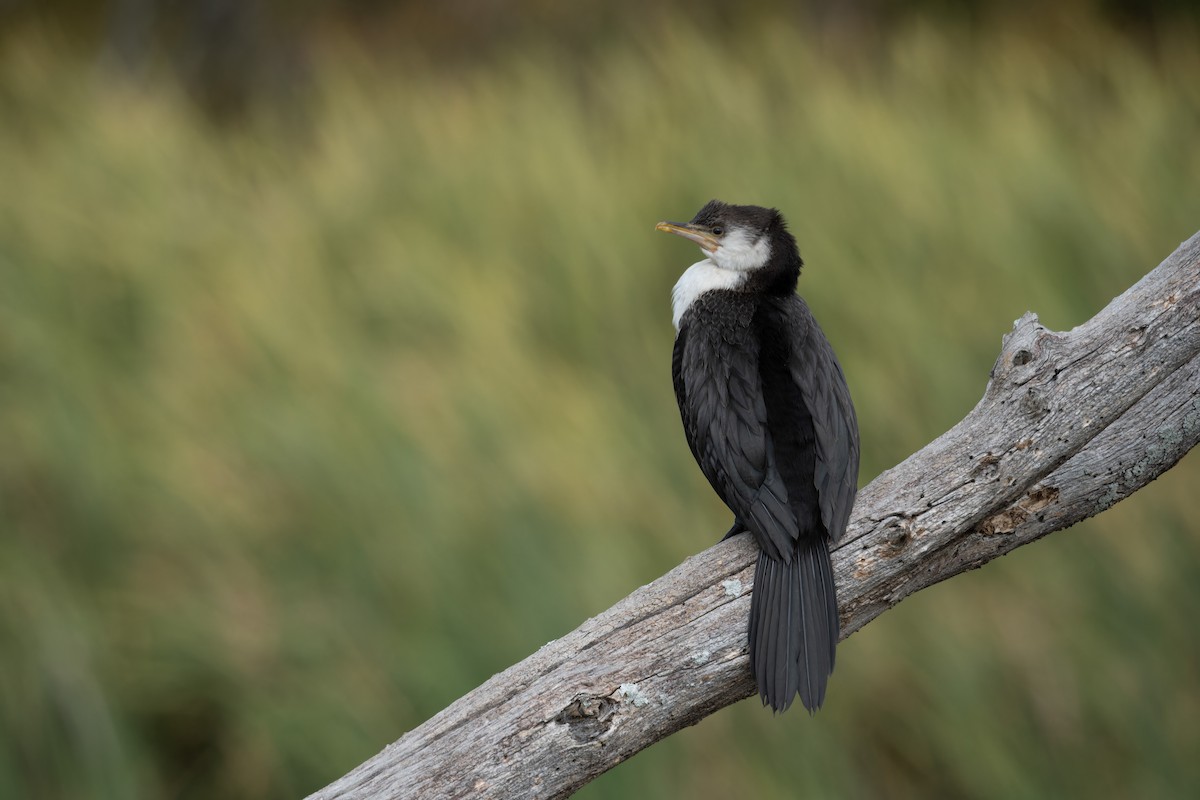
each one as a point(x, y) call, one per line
point(701, 277)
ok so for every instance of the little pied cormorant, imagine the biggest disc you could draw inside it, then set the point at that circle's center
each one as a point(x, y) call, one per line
point(769, 420)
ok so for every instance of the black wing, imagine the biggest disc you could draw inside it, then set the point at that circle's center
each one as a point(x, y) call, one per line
point(817, 375)
point(681, 392)
point(733, 390)
point(720, 397)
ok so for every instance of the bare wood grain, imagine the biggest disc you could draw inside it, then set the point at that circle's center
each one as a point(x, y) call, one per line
point(1069, 424)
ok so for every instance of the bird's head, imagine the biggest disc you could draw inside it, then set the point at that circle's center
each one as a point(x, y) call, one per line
point(747, 239)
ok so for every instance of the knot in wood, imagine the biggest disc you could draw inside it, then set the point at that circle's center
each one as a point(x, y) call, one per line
point(1023, 354)
point(588, 717)
point(1023, 346)
point(1019, 339)
point(1034, 402)
point(894, 539)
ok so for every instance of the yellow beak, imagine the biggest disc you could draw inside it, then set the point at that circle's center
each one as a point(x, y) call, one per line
point(705, 239)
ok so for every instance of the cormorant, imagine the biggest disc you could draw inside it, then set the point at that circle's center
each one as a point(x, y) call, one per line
point(769, 420)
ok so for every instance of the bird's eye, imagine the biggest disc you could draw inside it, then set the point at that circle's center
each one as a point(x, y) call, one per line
point(717, 230)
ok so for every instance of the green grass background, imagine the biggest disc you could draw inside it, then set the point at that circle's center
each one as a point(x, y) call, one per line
point(309, 426)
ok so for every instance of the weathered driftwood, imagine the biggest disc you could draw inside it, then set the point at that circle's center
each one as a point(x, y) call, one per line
point(1069, 424)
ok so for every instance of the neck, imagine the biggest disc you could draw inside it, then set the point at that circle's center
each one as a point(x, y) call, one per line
point(779, 279)
point(703, 276)
point(781, 275)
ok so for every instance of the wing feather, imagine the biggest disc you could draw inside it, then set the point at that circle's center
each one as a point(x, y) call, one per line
point(821, 384)
point(727, 399)
point(721, 403)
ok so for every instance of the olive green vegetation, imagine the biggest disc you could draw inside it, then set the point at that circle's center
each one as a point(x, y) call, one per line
point(309, 427)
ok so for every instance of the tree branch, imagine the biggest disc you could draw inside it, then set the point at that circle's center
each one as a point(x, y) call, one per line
point(1069, 424)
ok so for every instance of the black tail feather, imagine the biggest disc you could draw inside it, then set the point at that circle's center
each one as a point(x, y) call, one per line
point(793, 626)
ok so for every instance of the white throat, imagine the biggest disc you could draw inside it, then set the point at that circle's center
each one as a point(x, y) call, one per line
point(727, 267)
point(703, 276)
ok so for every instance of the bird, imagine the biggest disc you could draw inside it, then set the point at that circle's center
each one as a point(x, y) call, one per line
point(768, 417)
